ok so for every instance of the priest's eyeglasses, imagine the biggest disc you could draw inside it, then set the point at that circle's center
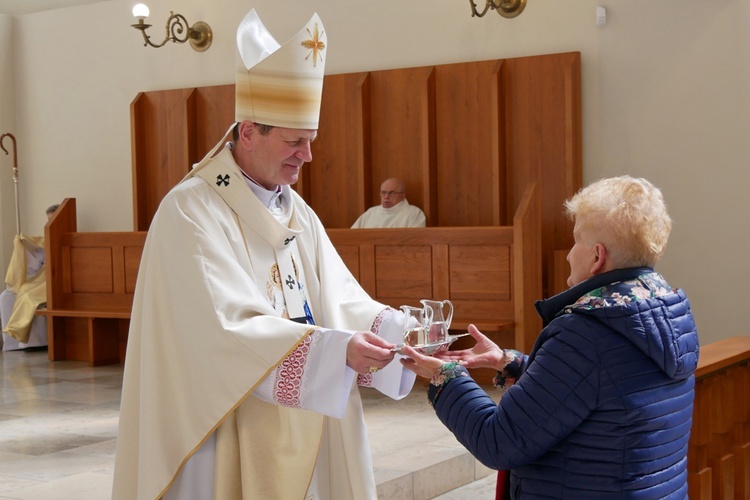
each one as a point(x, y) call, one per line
point(383, 194)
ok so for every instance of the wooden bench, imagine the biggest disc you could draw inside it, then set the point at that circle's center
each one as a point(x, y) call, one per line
point(719, 448)
point(491, 274)
point(90, 284)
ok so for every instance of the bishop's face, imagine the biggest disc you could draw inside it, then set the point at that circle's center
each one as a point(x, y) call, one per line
point(277, 157)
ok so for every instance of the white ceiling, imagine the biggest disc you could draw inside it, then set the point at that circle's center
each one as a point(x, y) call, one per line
point(20, 7)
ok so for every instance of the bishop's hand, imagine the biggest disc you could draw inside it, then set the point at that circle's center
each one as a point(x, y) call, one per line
point(367, 353)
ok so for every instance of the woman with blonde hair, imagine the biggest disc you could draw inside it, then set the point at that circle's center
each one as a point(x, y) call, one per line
point(602, 406)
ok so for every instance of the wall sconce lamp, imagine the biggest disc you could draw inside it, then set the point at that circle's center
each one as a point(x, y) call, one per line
point(506, 8)
point(199, 34)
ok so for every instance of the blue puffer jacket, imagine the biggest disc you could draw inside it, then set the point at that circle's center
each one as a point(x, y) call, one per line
point(604, 404)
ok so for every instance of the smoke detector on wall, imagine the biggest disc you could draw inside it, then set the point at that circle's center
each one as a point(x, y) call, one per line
point(601, 16)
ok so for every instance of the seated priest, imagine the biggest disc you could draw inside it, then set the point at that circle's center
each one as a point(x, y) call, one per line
point(394, 210)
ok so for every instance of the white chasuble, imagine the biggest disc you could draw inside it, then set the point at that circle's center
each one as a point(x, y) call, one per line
point(399, 215)
point(213, 359)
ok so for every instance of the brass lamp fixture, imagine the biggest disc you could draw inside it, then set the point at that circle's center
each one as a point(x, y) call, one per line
point(177, 30)
point(506, 8)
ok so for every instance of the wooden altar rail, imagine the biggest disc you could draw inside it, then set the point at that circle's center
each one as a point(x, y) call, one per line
point(90, 285)
point(719, 449)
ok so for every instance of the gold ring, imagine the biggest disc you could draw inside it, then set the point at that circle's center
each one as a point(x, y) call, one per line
point(373, 369)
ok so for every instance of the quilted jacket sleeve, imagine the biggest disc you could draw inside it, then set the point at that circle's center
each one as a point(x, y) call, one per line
point(553, 396)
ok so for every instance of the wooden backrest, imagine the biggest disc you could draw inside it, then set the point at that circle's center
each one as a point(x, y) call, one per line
point(90, 271)
point(491, 274)
point(471, 266)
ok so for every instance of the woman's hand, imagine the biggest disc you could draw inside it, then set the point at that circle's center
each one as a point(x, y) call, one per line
point(485, 354)
point(424, 366)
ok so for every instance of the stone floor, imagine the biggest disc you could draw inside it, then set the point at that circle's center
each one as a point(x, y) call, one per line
point(58, 428)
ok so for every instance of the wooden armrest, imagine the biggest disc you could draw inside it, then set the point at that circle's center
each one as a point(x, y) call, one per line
point(722, 354)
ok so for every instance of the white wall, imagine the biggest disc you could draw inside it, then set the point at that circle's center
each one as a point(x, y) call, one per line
point(666, 95)
point(675, 108)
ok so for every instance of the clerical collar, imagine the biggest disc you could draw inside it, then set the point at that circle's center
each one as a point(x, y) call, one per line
point(271, 199)
point(395, 208)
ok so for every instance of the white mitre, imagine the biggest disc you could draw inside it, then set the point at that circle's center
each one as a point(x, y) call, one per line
point(279, 85)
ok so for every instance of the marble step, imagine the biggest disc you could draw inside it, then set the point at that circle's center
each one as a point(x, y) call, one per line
point(414, 455)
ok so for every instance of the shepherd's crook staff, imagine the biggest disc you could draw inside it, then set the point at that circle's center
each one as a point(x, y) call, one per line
point(15, 175)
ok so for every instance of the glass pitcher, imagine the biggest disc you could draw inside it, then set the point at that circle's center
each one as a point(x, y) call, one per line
point(441, 312)
point(417, 325)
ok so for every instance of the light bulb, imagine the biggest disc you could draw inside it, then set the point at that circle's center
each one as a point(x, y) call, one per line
point(140, 11)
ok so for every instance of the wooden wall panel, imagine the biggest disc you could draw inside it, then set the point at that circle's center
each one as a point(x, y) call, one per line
point(350, 255)
point(441, 280)
point(480, 272)
point(214, 111)
point(403, 140)
point(160, 124)
point(558, 271)
point(470, 183)
point(341, 171)
point(402, 273)
point(92, 270)
point(543, 138)
point(466, 138)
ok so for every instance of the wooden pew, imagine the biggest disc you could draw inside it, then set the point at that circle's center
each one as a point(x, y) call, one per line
point(491, 274)
point(719, 448)
point(90, 285)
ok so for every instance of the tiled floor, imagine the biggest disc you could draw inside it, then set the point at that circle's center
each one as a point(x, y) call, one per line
point(58, 427)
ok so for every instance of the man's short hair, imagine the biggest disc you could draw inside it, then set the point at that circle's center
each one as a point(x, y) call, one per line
point(263, 129)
